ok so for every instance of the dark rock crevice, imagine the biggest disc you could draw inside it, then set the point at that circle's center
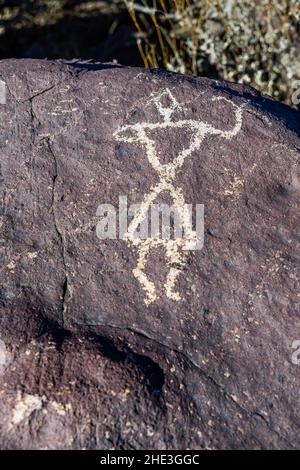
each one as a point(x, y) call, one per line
point(65, 286)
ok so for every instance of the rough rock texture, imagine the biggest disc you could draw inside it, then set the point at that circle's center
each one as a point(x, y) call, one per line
point(195, 354)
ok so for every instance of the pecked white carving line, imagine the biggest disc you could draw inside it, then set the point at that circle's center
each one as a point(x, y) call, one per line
point(139, 133)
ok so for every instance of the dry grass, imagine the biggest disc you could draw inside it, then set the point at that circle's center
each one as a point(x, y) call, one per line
point(253, 42)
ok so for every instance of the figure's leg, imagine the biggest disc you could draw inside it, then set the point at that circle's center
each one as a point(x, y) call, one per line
point(138, 272)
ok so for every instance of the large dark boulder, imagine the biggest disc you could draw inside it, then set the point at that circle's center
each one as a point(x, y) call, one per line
point(115, 344)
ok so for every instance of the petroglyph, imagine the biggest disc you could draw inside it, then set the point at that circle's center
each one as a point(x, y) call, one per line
point(237, 183)
point(140, 133)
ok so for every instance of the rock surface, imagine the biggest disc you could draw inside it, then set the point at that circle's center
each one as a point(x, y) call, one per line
point(101, 348)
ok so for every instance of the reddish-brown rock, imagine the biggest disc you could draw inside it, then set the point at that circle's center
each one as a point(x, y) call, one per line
point(199, 353)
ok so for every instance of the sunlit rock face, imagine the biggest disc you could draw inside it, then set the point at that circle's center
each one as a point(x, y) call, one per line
point(155, 341)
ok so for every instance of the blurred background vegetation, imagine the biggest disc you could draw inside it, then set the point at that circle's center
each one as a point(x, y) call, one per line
point(254, 42)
